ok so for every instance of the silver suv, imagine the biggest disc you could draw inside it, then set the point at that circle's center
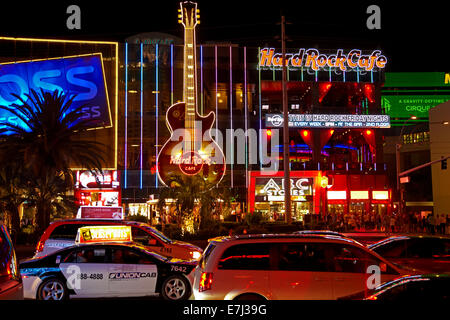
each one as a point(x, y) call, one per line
point(287, 267)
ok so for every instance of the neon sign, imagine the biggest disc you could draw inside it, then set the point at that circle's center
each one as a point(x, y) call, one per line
point(330, 121)
point(313, 59)
point(82, 76)
point(299, 187)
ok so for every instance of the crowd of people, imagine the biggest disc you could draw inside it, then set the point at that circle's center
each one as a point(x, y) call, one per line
point(407, 222)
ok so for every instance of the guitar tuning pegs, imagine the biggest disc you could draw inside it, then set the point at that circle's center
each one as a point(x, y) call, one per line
point(179, 10)
point(180, 16)
point(179, 21)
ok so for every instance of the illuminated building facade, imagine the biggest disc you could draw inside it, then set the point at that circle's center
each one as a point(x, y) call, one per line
point(341, 88)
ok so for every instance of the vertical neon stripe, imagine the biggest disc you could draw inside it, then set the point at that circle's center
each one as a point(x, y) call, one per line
point(201, 80)
point(260, 121)
point(126, 119)
point(217, 106)
point(302, 73)
point(142, 117)
point(171, 73)
point(156, 113)
point(343, 72)
point(357, 74)
point(231, 115)
point(245, 112)
point(371, 76)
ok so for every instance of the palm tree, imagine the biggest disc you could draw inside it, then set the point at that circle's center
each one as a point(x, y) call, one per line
point(189, 193)
point(13, 186)
point(48, 144)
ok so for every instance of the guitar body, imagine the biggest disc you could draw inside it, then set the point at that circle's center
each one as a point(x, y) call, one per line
point(183, 157)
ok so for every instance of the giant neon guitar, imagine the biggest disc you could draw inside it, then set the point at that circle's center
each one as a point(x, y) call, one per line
point(190, 151)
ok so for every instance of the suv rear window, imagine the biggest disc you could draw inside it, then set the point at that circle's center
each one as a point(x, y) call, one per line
point(254, 256)
point(65, 231)
point(5, 252)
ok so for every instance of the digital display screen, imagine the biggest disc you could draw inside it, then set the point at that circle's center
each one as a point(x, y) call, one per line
point(330, 121)
point(81, 76)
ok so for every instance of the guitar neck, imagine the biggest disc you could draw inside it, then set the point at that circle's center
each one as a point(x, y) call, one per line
point(190, 72)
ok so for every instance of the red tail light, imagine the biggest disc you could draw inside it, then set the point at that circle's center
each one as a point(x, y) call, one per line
point(40, 246)
point(206, 280)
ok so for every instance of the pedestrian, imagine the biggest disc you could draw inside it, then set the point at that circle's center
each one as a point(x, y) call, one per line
point(431, 223)
point(392, 223)
point(447, 225)
point(442, 223)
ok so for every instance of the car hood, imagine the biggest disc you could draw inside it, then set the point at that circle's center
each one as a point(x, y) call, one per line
point(187, 246)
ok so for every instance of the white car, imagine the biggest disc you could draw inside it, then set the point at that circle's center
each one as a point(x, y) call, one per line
point(286, 267)
point(106, 270)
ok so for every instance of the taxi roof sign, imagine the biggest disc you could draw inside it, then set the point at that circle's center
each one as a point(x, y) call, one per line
point(103, 234)
point(93, 212)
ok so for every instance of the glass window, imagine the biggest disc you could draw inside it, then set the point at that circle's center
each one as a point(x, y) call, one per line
point(129, 256)
point(351, 259)
point(393, 249)
point(420, 248)
point(88, 255)
point(140, 236)
point(305, 257)
point(246, 257)
point(209, 249)
point(4, 252)
point(65, 231)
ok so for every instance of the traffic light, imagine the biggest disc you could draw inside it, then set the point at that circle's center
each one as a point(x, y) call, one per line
point(444, 164)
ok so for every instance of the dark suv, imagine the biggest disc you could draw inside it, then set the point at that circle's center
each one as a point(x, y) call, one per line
point(10, 281)
point(423, 254)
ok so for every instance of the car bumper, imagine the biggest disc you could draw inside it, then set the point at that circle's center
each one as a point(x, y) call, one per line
point(30, 286)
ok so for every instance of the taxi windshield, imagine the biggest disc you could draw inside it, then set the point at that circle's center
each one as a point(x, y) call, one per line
point(157, 233)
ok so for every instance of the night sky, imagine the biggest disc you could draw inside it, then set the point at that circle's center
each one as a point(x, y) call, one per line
point(413, 36)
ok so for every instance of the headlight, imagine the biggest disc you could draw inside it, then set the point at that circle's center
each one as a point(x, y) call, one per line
point(196, 255)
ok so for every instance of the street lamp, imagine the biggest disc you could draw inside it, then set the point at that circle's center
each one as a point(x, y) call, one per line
point(398, 145)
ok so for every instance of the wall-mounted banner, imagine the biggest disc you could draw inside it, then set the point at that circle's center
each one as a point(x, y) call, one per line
point(313, 59)
point(80, 75)
point(330, 121)
point(411, 105)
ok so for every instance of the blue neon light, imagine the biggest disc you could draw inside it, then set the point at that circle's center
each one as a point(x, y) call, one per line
point(126, 118)
point(156, 103)
point(81, 76)
point(142, 117)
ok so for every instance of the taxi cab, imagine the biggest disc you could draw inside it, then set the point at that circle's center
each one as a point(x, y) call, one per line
point(61, 234)
point(103, 263)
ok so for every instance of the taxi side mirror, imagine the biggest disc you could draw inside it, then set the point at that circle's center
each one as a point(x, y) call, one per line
point(151, 242)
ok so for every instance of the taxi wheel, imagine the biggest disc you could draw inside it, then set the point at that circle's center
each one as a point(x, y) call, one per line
point(176, 288)
point(52, 289)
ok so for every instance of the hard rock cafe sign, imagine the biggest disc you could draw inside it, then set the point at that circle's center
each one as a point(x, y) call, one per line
point(315, 60)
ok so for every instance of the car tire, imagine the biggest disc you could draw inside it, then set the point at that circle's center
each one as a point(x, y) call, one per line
point(176, 288)
point(52, 289)
point(249, 296)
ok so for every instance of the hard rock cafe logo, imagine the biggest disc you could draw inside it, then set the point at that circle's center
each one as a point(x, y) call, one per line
point(299, 187)
point(312, 58)
point(190, 163)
